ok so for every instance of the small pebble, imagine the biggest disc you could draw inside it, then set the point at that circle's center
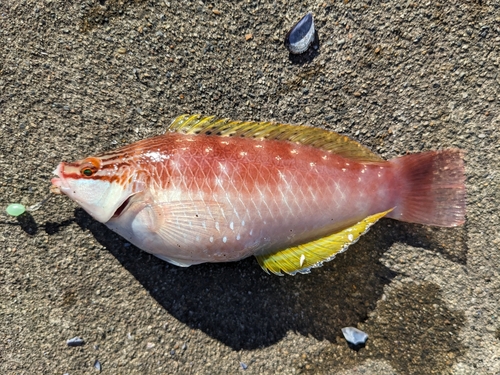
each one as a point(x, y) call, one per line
point(75, 341)
point(243, 365)
point(97, 365)
point(15, 209)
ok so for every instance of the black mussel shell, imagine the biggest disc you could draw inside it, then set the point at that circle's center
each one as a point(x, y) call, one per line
point(301, 35)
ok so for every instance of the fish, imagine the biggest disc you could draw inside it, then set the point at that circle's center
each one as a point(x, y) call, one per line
point(294, 196)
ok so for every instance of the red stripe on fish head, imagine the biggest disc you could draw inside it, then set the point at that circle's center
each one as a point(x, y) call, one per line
point(100, 185)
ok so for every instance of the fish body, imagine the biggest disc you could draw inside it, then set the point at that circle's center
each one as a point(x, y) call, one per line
point(213, 190)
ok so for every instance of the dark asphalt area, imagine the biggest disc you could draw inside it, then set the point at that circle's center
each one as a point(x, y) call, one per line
point(81, 77)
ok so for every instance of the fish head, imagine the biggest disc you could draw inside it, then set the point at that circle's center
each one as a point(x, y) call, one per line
point(101, 189)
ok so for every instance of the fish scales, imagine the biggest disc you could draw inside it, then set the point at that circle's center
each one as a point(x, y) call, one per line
point(194, 198)
point(284, 193)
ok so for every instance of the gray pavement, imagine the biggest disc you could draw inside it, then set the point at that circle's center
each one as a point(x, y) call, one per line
point(80, 77)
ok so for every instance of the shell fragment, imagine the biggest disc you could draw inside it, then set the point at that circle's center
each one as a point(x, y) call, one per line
point(301, 35)
point(355, 337)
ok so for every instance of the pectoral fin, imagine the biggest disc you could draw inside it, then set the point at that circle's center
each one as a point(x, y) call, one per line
point(179, 224)
point(303, 257)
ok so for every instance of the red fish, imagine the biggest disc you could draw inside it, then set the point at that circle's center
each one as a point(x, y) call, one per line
point(216, 190)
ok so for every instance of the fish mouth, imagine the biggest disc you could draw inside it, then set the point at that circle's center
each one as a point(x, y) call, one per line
point(58, 182)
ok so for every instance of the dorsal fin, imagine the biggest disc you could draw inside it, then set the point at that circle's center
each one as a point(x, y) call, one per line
point(307, 135)
point(313, 254)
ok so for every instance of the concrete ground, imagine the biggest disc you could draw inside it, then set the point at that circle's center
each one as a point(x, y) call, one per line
point(80, 77)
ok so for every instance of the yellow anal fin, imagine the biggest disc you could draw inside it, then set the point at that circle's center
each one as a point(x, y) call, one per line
point(307, 135)
point(303, 257)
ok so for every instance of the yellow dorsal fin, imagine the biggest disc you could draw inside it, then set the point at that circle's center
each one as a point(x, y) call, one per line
point(307, 135)
point(302, 258)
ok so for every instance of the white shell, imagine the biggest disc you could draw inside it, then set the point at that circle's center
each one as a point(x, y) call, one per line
point(354, 336)
point(75, 341)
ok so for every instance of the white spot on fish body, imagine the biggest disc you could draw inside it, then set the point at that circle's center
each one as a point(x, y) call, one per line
point(217, 226)
point(350, 237)
point(259, 146)
point(222, 167)
point(224, 239)
point(347, 164)
point(363, 170)
point(154, 156)
point(302, 259)
point(251, 232)
point(243, 223)
point(359, 179)
point(278, 157)
point(243, 153)
point(238, 237)
point(231, 225)
point(381, 167)
point(324, 157)
point(211, 239)
point(344, 169)
point(209, 149)
point(312, 164)
point(224, 142)
point(294, 151)
point(379, 174)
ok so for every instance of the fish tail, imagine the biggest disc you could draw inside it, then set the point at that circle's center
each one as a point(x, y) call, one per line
point(432, 188)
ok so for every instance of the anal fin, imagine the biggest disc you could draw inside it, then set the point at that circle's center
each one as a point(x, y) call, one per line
point(175, 262)
point(303, 257)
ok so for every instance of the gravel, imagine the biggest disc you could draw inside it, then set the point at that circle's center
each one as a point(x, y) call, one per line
point(77, 78)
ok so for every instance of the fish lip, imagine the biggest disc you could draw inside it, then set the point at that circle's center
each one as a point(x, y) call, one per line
point(58, 183)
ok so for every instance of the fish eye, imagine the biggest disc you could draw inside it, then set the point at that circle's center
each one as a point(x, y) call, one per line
point(90, 166)
point(87, 172)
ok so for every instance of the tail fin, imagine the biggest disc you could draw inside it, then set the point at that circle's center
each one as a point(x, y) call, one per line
point(433, 189)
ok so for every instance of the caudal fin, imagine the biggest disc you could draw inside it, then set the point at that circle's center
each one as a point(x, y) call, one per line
point(432, 188)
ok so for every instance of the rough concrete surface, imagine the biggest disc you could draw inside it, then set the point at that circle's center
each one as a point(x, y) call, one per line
point(80, 77)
